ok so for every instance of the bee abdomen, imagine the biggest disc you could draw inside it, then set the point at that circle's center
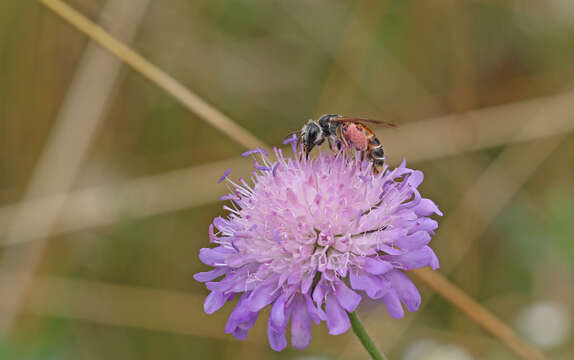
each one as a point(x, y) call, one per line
point(378, 152)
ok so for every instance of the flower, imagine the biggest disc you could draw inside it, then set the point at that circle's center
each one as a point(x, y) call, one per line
point(311, 237)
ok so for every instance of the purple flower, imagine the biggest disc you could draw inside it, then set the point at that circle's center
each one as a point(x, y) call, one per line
point(310, 237)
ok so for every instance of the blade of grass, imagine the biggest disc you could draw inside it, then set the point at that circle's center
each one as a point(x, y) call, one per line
point(68, 143)
point(478, 313)
point(190, 100)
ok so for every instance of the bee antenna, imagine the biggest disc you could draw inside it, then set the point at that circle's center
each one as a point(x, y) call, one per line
point(290, 134)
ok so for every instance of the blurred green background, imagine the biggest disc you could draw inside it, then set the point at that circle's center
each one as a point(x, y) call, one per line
point(482, 91)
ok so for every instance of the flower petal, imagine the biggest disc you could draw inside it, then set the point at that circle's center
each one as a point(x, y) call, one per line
point(434, 264)
point(212, 237)
point(337, 319)
point(248, 324)
point(306, 282)
point(316, 313)
point(376, 266)
point(239, 314)
point(276, 326)
point(412, 203)
point(277, 340)
point(375, 286)
point(239, 329)
point(427, 207)
point(214, 301)
point(277, 317)
point(414, 241)
point(346, 297)
point(263, 295)
point(215, 256)
point(416, 178)
point(209, 275)
point(413, 259)
point(394, 305)
point(320, 292)
point(426, 224)
point(300, 325)
point(221, 286)
point(405, 289)
point(240, 334)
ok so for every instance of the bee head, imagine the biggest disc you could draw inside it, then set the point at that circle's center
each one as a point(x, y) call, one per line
point(311, 135)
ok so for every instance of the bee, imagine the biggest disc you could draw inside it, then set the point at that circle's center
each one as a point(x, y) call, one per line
point(345, 131)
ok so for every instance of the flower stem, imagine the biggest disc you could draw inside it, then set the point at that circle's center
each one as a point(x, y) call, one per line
point(366, 340)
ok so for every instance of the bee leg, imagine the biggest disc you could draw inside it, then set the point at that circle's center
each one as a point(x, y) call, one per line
point(320, 142)
point(346, 143)
point(342, 137)
point(362, 156)
point(306, 155)
point(330, 143)
point(377, 165)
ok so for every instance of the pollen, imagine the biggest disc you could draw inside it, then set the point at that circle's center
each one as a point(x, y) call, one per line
point(356, 137)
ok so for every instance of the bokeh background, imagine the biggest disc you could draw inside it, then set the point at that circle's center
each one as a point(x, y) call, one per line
point(108, 184)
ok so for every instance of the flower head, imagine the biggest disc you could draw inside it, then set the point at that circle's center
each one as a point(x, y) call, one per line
point(311, 237)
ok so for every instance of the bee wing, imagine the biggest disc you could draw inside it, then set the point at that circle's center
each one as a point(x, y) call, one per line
point(387, 124)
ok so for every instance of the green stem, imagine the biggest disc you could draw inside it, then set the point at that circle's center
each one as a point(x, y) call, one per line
point(366, 340)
